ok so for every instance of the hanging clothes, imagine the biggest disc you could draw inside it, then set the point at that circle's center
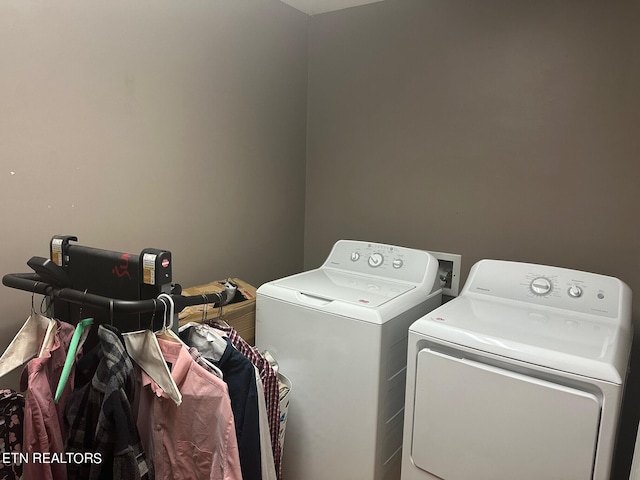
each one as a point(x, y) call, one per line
point(200, 360)
point(11, 421)
point(266, 452)
point(239, 375)
point(44, 426)
point(142, 346)
point(26, 344)
point(99, 414)
point(271, 389)
point(197, 438)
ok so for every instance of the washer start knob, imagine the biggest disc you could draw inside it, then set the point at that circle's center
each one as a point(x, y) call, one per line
point(541, 286)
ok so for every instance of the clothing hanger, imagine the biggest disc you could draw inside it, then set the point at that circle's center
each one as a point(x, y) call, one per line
point(50, 334)
point(203, 328)
point(219, 321)
point(203, 336)
point(78, 338)
point(220, 343)
point(168, 334)
point(220, 302)
point(144, 349)
point(26, 344)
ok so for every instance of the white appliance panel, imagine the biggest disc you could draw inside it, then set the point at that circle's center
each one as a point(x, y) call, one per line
point(549, 287)
point(384, 261)
point(476, 421)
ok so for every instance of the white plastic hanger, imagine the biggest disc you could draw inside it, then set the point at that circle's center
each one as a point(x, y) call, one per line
point(144, 349)
point(26, 344)
point(168, 334)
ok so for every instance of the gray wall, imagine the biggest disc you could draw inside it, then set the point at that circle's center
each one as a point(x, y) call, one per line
point(495, 129)
point(167, 124)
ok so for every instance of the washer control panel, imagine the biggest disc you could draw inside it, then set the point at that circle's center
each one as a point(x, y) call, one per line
point(572, 290)
point(388, 261)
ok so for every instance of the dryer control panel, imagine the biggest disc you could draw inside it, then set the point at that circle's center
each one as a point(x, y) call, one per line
point(572, 290)
point(381, 260)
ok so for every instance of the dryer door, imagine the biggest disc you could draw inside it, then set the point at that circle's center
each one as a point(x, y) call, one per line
point(477, 421)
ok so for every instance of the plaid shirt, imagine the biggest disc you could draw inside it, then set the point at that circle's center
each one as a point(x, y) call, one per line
point(271, 390)
point(99, 414)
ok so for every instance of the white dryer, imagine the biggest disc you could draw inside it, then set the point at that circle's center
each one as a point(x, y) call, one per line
point(520, 377)
point(339, 333)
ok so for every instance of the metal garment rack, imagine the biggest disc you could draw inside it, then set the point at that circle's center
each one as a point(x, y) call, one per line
point(80, 276)
point(33, 283)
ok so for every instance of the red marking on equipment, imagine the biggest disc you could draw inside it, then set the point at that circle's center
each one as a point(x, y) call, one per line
point(122, 270)
point(362, 300)
point(440, 319)
point(165, 263)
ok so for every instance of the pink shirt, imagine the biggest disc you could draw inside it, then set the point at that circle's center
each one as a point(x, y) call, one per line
point(193, 440)
point(44, 428)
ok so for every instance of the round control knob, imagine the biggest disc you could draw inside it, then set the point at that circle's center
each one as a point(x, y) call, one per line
point(541, 286)
point(375, 260)
point(355, 256)
point(575, 291)
point(397, 263)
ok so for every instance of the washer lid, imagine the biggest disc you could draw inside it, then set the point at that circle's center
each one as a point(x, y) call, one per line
point(334, 285)
point(582, 344)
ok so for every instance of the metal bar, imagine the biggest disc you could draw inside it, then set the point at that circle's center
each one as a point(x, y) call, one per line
point(30, 282)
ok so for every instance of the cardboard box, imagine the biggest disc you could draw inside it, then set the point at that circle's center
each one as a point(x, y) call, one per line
point(240, 314)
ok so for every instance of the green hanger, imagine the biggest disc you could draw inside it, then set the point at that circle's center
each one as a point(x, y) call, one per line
point(71, 355)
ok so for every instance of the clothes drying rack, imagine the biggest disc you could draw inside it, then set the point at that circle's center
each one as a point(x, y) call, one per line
point(110, 286)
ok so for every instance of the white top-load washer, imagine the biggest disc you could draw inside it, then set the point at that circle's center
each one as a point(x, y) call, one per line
point(520, 377)
point(339, 333)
